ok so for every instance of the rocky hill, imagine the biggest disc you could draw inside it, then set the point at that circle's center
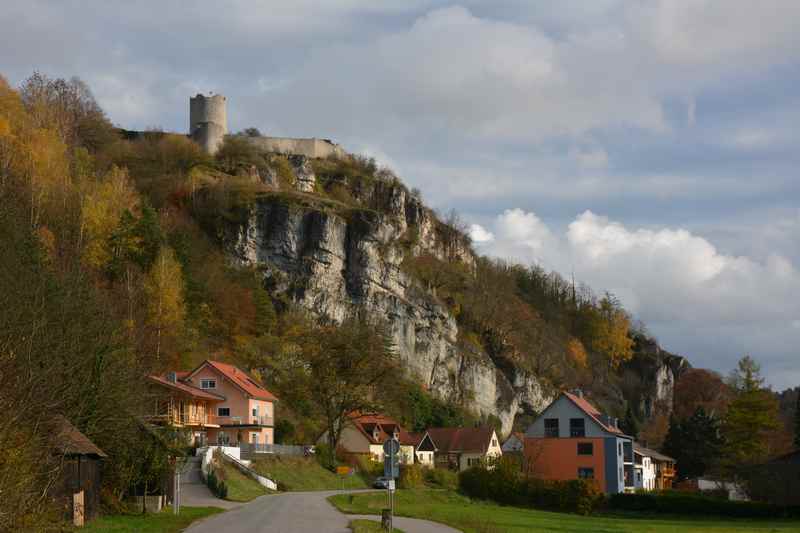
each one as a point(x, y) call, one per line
point(334, 238)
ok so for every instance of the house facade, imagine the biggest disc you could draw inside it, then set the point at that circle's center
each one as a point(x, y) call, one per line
point(652, 470)
point(572, 439)
point(217, 403)
point(514, 444)
point(364, 435)
point(461, 448)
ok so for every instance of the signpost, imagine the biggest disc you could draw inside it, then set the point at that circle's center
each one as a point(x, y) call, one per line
point(344, 471)
point(391, 470)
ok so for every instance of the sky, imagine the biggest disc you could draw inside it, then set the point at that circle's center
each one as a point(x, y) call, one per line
point(650, 147)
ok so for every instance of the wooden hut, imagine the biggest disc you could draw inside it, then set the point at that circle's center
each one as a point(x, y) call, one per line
point(81, 471)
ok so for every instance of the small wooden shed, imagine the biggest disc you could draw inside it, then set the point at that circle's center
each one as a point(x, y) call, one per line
point(81, 471)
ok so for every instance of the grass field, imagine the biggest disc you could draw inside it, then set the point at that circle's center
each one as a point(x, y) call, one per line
point(301, 473)
point(368, 526)
point(240, 487)
point(480, 517)
point(163, 522)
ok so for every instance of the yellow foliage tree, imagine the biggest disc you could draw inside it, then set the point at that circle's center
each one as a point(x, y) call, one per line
point(577, 353)
point(164, 289)
point(101, 210)
point(611, 332)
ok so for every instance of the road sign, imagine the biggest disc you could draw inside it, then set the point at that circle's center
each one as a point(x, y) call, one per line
point(343, 470)
point(391, 446)
point(391, 466)
point(391, 484)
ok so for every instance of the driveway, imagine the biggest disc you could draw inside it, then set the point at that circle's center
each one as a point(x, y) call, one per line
point(298, 512)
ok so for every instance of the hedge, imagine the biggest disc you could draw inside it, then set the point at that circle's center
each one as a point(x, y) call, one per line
point(504, 483)
point(687, 503)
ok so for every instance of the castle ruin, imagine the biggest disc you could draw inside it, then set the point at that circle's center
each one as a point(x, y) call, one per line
point(208, 126)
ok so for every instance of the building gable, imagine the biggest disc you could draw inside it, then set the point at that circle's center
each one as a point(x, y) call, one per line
point(563, 408)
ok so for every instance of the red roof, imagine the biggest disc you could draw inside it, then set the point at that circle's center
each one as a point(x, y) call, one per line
point(592, 411)
point(186, 388)
point(241, 379)
point(461, 440)
point(385, 426)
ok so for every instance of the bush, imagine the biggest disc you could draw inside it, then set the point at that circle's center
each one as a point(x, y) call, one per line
point(411, 476)
point(677, 502)
point(447, 479)
point(506, 484)
point(216, 485)
point(324, 456)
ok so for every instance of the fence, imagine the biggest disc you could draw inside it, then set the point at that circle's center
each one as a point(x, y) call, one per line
point(250, 449)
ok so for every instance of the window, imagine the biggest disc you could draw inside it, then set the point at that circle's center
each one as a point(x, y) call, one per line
point(494, 442)
point(577, 427)
point(223, 411)
point(585, 448)
point(255, 411)
point(585, 473)
point(619, 448)
point(551, 427)
point(253, 438)
point(208, 383)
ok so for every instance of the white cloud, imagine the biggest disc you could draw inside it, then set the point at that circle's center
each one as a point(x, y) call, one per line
point(480, 235)
point(674, 280)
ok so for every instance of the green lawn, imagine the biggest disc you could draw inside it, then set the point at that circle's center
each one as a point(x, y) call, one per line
point(368, 526)
point(481, 517)
point(163, 522)
point(304, 473)
point(241, 488)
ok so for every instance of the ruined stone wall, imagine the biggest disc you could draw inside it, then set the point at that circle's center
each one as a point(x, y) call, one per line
point(312, 147)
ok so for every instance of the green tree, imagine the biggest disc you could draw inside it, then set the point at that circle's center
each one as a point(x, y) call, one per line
point(797, 422)
point(694, 442)
point(750, 420)
point(630, 425)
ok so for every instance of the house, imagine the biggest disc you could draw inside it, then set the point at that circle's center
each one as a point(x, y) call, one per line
point(733, 491)
point(78, 489)
point(572, 439)
point(652, 470)
point(461, 448)
point(422, 455)
point(363, 435)
point(514, 444)
point(217, 403)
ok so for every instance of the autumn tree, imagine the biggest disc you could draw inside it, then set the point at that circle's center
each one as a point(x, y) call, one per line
point(699, 387)
point(335, 371)
point(164, 289)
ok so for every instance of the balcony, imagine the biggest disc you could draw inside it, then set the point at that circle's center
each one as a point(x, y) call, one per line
point(667, 471)
point(182, 419)
point(245, 420)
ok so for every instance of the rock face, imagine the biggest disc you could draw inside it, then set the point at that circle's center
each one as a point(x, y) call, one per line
point(657, 371)
point(333, 265)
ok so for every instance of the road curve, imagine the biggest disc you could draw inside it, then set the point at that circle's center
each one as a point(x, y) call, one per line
point(298, 512)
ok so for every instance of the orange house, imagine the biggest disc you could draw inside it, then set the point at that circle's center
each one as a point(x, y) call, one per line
point(573, 440)
point(218, 403)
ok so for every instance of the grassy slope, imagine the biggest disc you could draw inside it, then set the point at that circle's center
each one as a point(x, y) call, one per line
point(368, 526)
point(164, 522)
point(300, 473)
point(479, 517)
point(240, 487)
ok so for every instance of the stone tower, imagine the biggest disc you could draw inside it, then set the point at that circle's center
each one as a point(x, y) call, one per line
point(208, 121)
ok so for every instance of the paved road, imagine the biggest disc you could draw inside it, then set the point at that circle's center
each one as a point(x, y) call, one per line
point(298, 512)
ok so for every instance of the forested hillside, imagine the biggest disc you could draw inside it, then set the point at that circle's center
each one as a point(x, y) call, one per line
point(126, 254)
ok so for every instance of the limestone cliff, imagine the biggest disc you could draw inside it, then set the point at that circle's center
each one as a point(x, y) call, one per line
point(335, 263)
point(336, 258)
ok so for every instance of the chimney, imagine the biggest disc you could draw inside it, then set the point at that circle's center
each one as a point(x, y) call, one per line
point(578, 392)
point(172, 377)
point(615, 422)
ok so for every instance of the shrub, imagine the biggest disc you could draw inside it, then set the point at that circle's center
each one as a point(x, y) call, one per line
point(411, 476)
point(506, 484)
point(447, 479)
point(676, 502)
point(324, 456)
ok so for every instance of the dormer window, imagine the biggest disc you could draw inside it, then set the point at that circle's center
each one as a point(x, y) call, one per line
point(208, 383)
